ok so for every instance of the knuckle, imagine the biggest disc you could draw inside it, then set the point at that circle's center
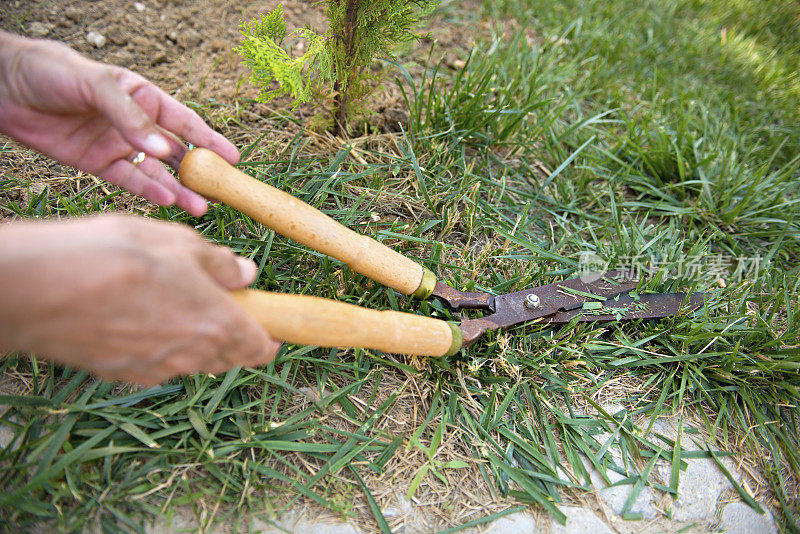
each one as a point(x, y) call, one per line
point(116, 74)
point(214, 333)
point(127, 79)
point(191, 121)
point(107, 74)
point(219, 263)
point(117, 85)
point(138, 120)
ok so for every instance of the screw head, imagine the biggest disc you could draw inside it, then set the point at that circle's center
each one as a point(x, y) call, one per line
point(532, 301)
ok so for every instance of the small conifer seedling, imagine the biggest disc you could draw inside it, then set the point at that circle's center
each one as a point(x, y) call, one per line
point(335, 65)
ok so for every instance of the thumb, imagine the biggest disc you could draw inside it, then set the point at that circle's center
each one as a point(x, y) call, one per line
point(226, 268)
point(111, 95)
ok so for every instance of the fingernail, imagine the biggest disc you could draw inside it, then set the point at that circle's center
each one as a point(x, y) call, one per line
point(198, 209)
point(156, 145)
point(248, 269)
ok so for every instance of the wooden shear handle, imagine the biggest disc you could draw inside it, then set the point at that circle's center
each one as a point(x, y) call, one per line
point(206, 173)
point(309, 320)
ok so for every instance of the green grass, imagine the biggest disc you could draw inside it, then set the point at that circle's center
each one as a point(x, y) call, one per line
point(637, 131)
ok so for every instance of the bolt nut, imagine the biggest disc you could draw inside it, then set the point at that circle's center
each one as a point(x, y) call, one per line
point(532, 301)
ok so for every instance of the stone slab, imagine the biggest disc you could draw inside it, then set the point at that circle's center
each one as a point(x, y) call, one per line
point(579, 521)
point(517, 523)
point(740, 518)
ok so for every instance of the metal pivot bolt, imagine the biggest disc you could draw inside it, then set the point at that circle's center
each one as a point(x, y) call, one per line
point(532, 301)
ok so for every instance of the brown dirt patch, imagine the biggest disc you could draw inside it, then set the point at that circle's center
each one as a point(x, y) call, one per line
point(186, 48)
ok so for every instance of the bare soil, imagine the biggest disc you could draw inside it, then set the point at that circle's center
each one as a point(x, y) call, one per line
point(186, 48)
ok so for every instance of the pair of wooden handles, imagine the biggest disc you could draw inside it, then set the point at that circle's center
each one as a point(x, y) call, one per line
point(311, 320)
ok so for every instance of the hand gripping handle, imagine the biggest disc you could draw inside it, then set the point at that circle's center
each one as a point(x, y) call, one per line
point(206, 173)
point(316, 321)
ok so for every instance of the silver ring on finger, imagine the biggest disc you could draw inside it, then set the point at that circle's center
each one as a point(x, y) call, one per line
point(136, 158)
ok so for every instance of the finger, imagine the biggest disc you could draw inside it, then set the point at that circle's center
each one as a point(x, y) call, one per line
point(189, 201)
point(178, 149)
point(148, 380)
point(127, 176)
point(176, 118)
point(185, 198)
point(218, 368)
point(109, 95)
point(190, 363)
point(128, 369)
point(113, 366)
point(250, 345)
point(263, 354)
point(226, 268)
point(246, 345)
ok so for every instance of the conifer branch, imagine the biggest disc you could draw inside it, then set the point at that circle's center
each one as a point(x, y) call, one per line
point(339, 59)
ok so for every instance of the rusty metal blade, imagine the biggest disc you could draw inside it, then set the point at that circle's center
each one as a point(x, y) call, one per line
point(569, 294)
point(459, 299)
point(552, 298)
point(623, 308)
point(627, 308)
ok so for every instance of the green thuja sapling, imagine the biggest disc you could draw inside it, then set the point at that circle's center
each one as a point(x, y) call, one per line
point(335, 65)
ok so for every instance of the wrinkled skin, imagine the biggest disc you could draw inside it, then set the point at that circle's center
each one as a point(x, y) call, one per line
point(127, 298)
point(94, 117)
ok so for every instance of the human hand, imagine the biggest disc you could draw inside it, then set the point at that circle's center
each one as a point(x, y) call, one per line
point(127, 298)
point(94, 117)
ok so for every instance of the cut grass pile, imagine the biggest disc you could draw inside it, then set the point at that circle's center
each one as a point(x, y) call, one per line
point(656, 133)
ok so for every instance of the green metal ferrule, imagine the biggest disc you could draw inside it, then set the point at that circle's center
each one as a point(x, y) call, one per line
point(426, 285)
point(458, 339)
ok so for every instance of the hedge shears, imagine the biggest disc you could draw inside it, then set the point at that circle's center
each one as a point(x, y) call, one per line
point(308, 320)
